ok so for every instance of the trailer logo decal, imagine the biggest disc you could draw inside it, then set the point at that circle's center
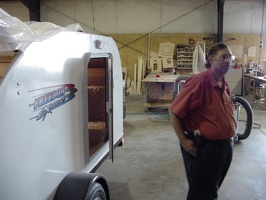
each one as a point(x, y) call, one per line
point(52, 99)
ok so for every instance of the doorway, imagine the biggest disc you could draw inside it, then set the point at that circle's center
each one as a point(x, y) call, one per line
point(98, 95)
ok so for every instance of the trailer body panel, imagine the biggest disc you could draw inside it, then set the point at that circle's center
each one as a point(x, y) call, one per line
point(44, 113)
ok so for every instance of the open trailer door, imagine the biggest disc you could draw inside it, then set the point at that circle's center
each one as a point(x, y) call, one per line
point(100, 104)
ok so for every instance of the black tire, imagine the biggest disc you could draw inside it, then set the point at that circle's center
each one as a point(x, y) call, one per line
point(82, 186)
point(96, 192)
point(246, 119)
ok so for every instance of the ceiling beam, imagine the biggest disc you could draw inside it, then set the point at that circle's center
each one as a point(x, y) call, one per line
point(220, 17)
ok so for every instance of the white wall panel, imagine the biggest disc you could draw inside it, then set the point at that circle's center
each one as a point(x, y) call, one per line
point(138, 16)
point(145, 16)
point(105, 15)
point(243, 16)
point(191, 17)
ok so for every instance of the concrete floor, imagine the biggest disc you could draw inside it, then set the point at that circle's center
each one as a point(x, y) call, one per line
point(150, 165)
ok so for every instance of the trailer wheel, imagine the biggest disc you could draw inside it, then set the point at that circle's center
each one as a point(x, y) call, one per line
point(244, 119)
point(82, 186)
point(96, 192)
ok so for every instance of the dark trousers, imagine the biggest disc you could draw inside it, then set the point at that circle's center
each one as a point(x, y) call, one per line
point(206, 171)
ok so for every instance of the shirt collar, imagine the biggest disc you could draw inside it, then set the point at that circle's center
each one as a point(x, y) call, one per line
point(213, 80)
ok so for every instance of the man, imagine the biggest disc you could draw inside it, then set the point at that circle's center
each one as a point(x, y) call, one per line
point(202, 115)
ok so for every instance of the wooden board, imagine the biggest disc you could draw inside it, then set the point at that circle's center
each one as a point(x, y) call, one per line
point(140, 65)
point(135, 78)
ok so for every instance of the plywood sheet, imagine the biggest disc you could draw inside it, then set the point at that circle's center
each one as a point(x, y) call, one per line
point(252, 51)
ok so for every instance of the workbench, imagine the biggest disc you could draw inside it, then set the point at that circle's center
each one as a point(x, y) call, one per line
point(251, 89)
point(159, 88)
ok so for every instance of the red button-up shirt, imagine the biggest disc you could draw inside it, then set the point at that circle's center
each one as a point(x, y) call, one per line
point(203, 105)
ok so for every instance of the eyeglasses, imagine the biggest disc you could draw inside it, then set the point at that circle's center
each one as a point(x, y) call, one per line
point(224, 57)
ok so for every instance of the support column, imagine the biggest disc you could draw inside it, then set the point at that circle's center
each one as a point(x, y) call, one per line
point(34, 9)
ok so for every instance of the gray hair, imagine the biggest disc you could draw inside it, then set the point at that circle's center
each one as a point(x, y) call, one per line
point(213, 50)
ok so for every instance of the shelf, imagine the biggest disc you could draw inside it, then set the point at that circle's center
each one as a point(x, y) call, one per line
point(184, 68)
point(184, 63)
point(184, 56)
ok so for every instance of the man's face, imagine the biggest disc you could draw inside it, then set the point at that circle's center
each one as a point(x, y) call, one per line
point(221, 61)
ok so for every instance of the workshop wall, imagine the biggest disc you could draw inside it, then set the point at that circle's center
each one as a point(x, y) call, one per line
point(155, 16)
point(140, 26)
point(131, 46)
point(148, 16)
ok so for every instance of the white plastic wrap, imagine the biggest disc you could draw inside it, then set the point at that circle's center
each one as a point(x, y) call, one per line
point(17, 35)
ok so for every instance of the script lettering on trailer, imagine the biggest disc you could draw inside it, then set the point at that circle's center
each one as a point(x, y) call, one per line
point(56, 97)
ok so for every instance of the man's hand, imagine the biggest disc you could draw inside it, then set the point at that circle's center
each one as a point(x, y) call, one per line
point(189, 146)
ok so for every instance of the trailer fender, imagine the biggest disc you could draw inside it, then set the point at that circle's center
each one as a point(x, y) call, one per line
point(82, 186)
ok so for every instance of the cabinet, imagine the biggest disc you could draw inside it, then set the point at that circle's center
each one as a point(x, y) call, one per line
point(184, 56)
point(159, 88)
point(234, 79)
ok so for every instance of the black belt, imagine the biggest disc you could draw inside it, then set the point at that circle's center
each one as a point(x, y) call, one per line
point(216, 141)
point(200, 140)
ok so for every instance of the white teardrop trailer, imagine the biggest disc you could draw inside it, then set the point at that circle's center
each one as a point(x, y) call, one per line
point(61, 112)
